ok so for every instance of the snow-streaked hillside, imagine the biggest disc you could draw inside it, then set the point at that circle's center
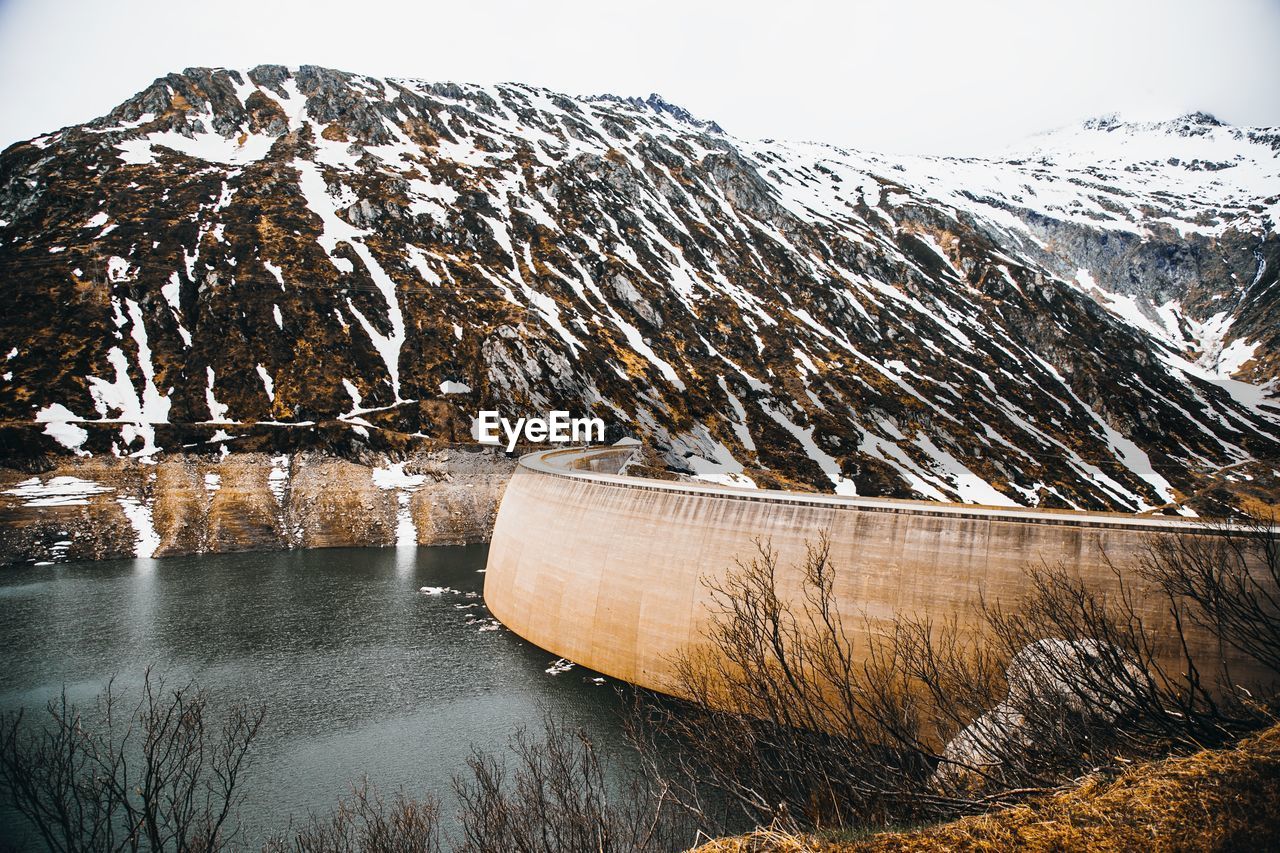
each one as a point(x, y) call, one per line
point(310, 258)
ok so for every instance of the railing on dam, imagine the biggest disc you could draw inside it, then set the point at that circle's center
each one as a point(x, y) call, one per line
point(603, 464)
point(608, 570)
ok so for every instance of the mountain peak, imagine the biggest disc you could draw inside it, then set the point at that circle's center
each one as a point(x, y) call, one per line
point(659, 104)
point(1188, 124)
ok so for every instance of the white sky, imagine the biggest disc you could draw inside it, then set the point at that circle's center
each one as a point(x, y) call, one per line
point(944, 77)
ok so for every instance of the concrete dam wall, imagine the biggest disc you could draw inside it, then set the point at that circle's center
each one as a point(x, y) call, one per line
point(606, 570)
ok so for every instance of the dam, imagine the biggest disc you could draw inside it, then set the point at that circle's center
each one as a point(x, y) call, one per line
point(607, 570)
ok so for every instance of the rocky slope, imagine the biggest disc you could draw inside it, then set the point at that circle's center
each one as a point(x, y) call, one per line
point(106, 507)
point(287, 260)
point(1215, 799)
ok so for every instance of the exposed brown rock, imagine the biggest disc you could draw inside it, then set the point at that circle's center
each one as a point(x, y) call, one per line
point(243, 513)
point(314, 501)
point(336, 503)
point(181, 507)
point(456, 513)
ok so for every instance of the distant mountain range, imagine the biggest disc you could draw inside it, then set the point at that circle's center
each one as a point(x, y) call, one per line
point(310, 259)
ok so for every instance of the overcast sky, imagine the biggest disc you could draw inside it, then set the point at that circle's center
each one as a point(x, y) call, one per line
point(943, 77)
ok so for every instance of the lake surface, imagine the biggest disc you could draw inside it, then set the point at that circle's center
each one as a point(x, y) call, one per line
point(363, 673)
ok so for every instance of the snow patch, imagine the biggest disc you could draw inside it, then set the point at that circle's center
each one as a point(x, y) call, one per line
point(217, 411)
point(139, 515)
point(971, 488)
point(268, 384)
point(560, 665)
point(394, 478)
point(58, 491)
point(57, 419)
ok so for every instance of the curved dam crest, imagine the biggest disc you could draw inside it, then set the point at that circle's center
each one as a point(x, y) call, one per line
point(607, 570)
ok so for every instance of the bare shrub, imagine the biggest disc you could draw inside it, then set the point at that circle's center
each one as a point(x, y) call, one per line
point(1229, 583)
point(156, 776)
point(557, 799)
point(366, 822)
point(792, 723)
point(783, 726)
point(1103, 682)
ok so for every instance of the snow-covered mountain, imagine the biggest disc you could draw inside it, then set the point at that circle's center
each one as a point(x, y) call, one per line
point(293, 258)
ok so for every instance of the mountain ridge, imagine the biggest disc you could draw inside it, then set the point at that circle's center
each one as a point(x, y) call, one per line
point(789, 313)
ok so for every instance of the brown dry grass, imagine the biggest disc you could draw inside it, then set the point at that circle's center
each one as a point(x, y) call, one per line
point(1213, 800)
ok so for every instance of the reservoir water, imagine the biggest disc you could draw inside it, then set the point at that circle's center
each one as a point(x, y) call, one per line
point(364, 674)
